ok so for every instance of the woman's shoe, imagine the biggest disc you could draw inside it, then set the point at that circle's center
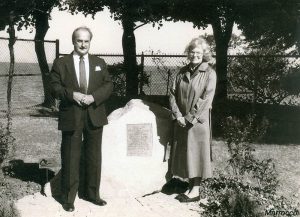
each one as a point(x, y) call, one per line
point(186, 199)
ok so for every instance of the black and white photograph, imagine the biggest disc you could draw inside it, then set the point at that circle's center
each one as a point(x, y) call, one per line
point(149, 108)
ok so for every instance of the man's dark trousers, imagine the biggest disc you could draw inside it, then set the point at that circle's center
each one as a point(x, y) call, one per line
point(72, 151)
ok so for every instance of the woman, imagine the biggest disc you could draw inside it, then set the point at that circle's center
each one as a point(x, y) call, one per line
point(191, 98)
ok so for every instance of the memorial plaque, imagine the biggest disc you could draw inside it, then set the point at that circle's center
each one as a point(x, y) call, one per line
point(139, 140)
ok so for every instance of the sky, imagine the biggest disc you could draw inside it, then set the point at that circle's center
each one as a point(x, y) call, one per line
point(170, 39)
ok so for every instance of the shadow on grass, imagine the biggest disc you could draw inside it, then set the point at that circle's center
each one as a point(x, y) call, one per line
point(28, 172)
point(44, 112)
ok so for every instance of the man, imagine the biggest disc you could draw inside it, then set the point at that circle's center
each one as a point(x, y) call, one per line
point(82, 83)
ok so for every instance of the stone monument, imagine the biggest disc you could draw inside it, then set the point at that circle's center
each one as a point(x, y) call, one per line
point(134, 147)
point(134, 151)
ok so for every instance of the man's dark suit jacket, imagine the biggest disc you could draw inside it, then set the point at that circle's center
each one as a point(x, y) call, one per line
point(64, 83)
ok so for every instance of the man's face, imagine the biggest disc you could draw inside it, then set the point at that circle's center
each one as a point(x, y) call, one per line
point(82, 41)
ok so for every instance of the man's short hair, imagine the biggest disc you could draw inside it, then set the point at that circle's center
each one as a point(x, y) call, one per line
point(82, 28)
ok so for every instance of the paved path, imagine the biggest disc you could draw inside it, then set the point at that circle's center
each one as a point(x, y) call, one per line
point(124, 205)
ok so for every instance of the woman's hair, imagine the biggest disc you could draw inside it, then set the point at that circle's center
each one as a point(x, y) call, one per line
point(200, 42)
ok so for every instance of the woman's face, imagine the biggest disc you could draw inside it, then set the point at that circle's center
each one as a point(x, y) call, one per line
point(195, 55)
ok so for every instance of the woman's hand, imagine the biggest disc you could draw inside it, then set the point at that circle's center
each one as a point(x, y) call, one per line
point(181, 121)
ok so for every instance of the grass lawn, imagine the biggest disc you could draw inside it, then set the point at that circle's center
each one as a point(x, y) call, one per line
point(38, 137)
point(285, 157)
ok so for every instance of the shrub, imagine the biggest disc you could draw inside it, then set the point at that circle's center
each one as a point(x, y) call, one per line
point(6, 142)
point(228, 197)
point(8, 209)
point(119, 78)
point(261, 77)
point(118, 74)
point(248, 186)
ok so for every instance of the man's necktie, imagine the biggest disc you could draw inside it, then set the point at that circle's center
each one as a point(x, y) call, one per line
point(82, 76)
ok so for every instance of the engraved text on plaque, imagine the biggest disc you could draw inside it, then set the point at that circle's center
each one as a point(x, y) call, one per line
point(139, 140)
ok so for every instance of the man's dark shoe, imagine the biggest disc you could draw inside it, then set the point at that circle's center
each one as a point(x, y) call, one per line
point(69, 207)
point(98, 201)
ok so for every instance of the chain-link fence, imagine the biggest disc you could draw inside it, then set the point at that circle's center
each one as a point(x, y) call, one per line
point(259, 79)
point(264, 79)
point(27, 90)
point(159, 70)
point(27, 86)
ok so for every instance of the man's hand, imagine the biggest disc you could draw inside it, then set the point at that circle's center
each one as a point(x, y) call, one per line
point(78, 97)
point(87, 100)
point(181, 121)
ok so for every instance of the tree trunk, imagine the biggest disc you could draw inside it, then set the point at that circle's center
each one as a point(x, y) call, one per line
point(12, 40)
point(220, 110)
point(42, 27)
point(130, 63)
point(222, 38)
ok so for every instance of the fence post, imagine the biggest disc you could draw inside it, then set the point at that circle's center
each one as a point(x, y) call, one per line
point(57, 49)
point(142, 73)
point(168, 81)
